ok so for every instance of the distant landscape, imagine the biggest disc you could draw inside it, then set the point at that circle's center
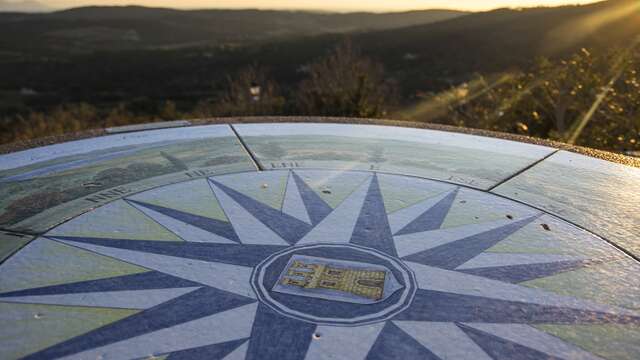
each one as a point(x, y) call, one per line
point(567, 73)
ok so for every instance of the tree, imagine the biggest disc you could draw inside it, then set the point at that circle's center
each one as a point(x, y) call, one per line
point(594, 99)
point(344, 83)
point(61, 120)
point(249, 92)
point(169, 111)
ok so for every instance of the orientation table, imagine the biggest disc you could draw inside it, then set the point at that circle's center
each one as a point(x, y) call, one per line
point(316, 241)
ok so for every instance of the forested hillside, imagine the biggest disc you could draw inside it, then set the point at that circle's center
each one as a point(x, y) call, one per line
point(534, 71)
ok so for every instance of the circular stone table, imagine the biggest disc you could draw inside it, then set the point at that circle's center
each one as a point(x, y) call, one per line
point(305, 259)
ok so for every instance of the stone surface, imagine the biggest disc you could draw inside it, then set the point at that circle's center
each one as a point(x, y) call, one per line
point(42, 187)
point(148, 126)
point(509, 282)
point(463, 159)
point(600, 196)
point(190, 264)
point(11, 242)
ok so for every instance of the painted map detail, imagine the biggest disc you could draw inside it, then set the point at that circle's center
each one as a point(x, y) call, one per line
point(337, 280)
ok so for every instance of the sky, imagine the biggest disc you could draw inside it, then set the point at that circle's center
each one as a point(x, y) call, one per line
point(325, 5)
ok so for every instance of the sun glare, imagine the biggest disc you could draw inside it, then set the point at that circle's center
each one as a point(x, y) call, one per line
point(575, 31)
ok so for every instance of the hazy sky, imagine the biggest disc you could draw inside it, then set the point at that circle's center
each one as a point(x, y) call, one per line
point(328, 5)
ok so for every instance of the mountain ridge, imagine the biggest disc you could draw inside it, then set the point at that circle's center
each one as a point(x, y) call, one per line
point(163, 61)
point(134, 27)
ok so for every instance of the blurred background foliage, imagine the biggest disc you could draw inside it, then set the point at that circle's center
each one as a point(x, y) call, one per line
point(549, 100)
point(587, 99)
point(567, 73)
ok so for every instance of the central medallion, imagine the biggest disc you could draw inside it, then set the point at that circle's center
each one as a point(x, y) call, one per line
point(338, 280)
point(334, 284)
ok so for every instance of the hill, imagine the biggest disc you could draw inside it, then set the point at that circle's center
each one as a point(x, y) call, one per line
point(126, 28)
point(166, 63)
point(505, 38)
point(435, 56)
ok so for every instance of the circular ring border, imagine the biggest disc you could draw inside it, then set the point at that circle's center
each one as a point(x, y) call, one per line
point(257, 277)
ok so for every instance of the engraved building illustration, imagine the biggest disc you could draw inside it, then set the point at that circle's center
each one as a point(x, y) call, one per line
point(364, 283)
